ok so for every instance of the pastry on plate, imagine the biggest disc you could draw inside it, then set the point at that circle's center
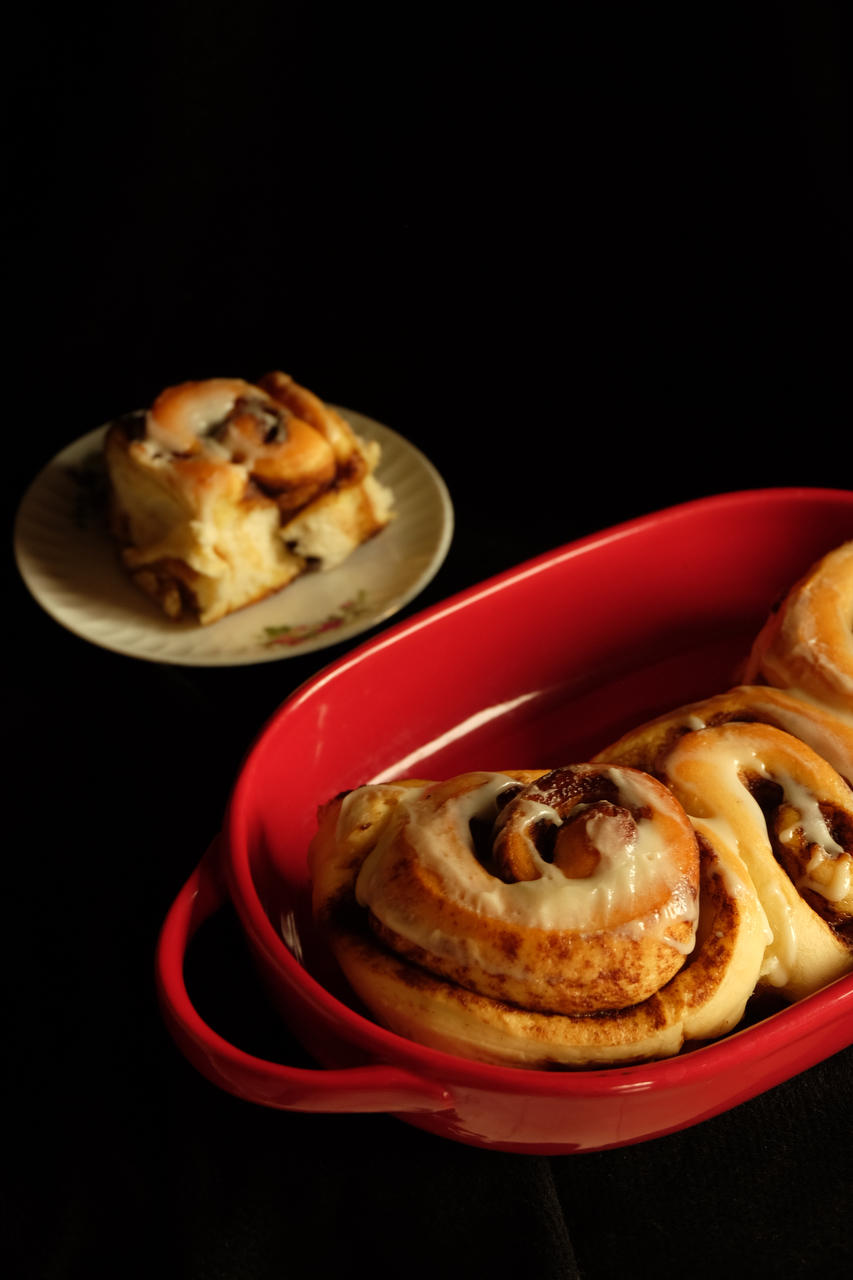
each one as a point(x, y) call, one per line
point(224, 491)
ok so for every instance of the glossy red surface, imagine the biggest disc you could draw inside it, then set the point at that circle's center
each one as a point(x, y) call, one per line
point(539, 666)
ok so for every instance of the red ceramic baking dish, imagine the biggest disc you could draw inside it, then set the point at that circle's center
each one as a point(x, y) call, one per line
point(538, 666)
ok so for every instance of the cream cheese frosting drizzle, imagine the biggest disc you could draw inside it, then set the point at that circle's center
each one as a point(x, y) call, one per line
point(711, 772)
point(552, 901)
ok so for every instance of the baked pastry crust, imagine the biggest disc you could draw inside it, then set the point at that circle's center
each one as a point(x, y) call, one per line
point(790, 816)
point(806, 643)
point(225, 491)
point(411, 991)
point(824, 729)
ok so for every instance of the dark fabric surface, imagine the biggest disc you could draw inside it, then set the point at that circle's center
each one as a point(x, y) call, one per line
point(130, 1163)
point(591, 267)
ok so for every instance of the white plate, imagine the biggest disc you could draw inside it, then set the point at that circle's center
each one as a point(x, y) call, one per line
point(70, 565)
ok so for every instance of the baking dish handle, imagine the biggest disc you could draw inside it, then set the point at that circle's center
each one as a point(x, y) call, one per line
point(377, 1088)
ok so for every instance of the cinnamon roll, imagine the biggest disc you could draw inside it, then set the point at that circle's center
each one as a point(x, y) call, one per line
point(225, 491)
point(824, 729)
point(806, 643)
point(789, 816)
point(771, 768)
point(572, 917)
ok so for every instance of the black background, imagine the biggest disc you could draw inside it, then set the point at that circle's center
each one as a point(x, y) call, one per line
point(593, 260)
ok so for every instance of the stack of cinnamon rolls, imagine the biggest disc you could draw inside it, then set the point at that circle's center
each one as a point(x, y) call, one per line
point(627, 907)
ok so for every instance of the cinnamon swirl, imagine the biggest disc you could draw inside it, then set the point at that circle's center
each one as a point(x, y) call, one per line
point(789, 815)
point(566, 918)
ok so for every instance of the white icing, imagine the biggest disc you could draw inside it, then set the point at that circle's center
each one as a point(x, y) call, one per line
point(441, 839)
point(210, 402)
point(726, 754)
point(810, 819)
point(840, 882)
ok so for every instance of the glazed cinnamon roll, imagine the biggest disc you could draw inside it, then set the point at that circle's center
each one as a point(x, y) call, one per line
point(822, 728)
point(807, 642)
point(789, 816)
point(225, 491)
point(772, 770)
point(564, 918)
